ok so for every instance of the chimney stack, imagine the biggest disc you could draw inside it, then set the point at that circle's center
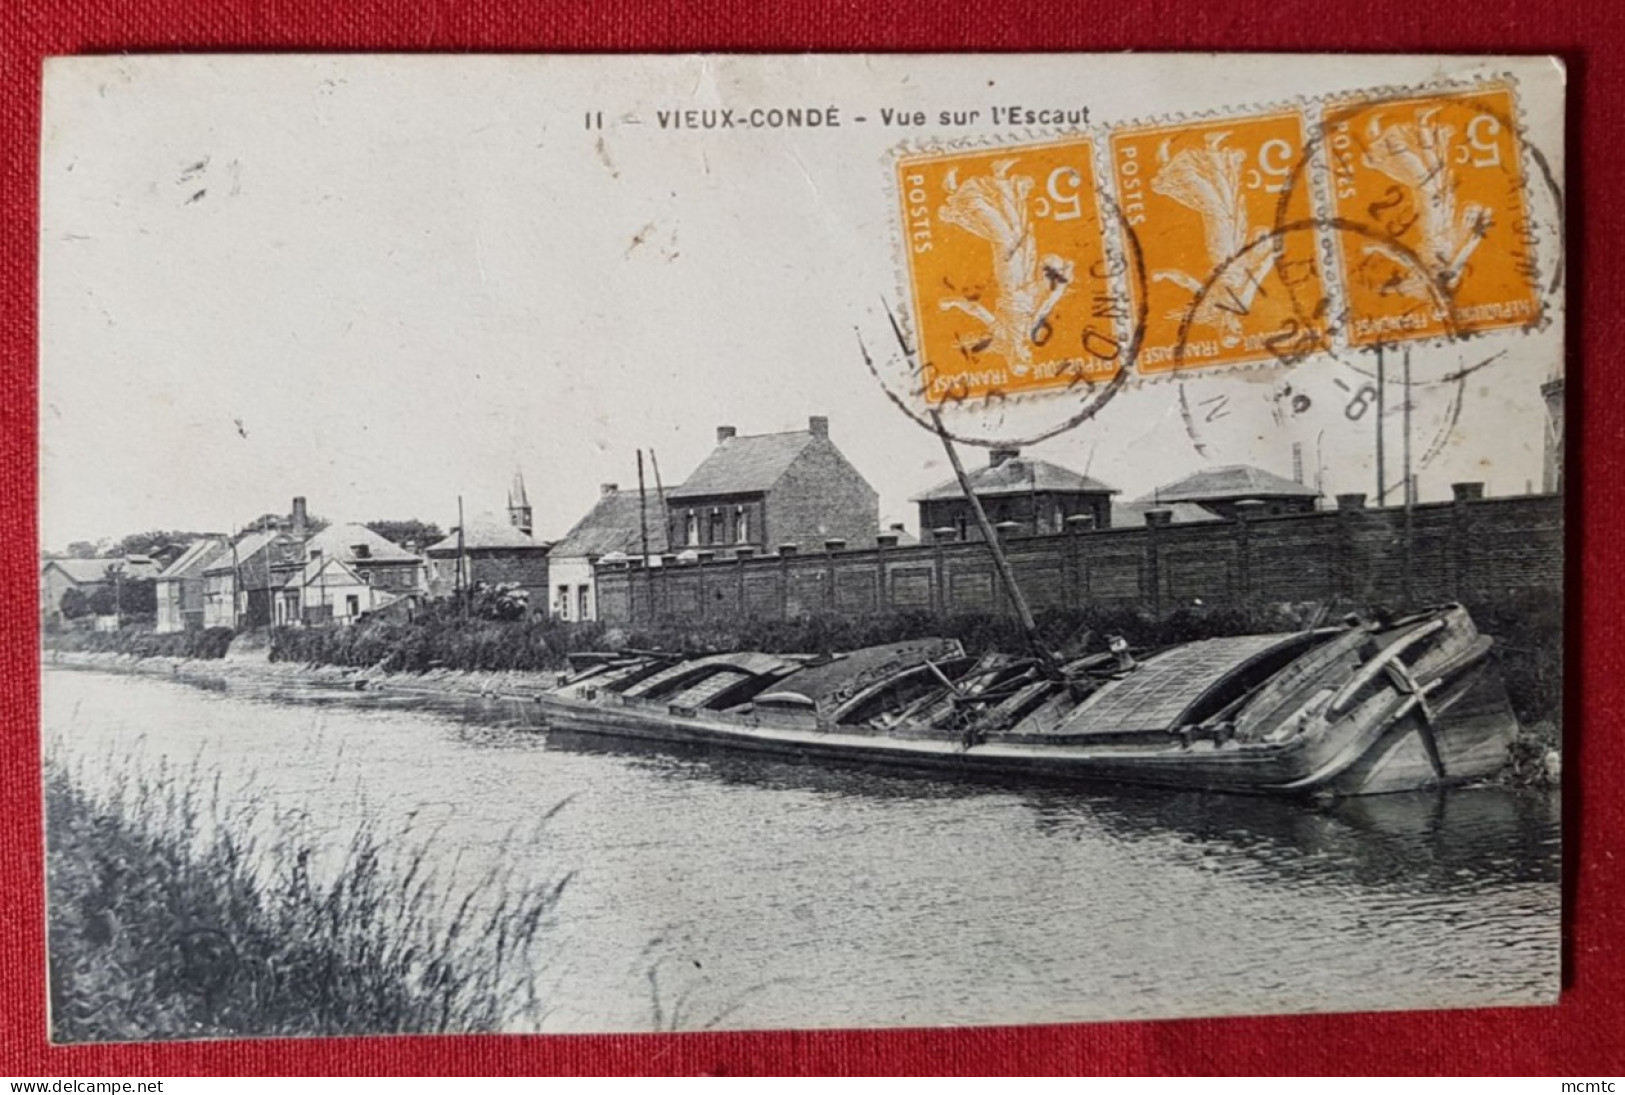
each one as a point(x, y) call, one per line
point(726, 433)
point(607, 489)
point(995, 457)
point(301, 516)
point(818, 426)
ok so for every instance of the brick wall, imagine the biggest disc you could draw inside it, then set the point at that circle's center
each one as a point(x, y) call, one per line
point(1454, 550)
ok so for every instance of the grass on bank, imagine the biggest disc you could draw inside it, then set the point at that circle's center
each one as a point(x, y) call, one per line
point(167, 920)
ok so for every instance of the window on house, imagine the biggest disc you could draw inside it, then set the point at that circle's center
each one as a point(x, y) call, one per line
point(564, 602)
point(741, 525)
point(583, 602)
point(962, 526)
point(691, 529)
point(352, 604)
point(361, 551)
point(719, 523)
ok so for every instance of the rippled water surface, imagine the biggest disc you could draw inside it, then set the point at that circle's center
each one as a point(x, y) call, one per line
point(770, 894)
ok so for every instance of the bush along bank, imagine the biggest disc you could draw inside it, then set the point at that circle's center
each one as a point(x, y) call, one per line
point(166, 920)
point(1528, 630)
point(140, 642)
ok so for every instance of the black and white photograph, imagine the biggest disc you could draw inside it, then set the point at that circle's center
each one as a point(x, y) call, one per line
point(559, 544)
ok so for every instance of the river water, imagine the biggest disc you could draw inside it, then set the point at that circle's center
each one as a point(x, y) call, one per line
point(771, 894)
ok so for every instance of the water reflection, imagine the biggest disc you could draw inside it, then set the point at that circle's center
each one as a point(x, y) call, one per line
point(824, 894)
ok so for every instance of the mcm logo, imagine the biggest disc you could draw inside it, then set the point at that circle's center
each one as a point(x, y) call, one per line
point(1420, 157)
point(1208, 181)
point(1029, 287)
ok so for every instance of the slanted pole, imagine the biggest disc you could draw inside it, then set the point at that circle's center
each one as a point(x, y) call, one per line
point(1029, 626)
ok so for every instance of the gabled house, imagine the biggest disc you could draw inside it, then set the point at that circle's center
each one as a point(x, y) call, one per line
point(1221, 490)
point(493, 552)
point(614, 526)
point(180, 586)
point(1019, 495)
point(386, 565)
point(58, 576)
point(238, 583)
point(327, 590)
point(759, 492)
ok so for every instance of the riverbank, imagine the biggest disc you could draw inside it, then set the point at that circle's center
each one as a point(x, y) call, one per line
point(173, 914)
point(1533, 760)
point(769, 893)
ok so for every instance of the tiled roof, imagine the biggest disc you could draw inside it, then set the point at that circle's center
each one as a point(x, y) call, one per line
point(1236, 481)
point(613, 525)
point(486, 531)
point(340, 542)
point(1132, 514)
point(249, 545)
point(195, 559)
point(1017, 475)
point(744, 465)
point(316, 567)
point(84, 571)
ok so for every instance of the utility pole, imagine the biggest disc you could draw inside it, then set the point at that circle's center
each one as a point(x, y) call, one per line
point(643, 531)
point(660, 497)
point(1405, 410)
point(1410, 484)
point(1382, 470)
point(462, 590)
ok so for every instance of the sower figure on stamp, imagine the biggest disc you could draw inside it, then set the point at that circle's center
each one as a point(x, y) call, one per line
point(994, 207)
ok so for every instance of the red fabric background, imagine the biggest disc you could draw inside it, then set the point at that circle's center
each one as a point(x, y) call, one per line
point(1571, 1039)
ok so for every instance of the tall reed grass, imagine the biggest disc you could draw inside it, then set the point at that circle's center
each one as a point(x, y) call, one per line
point(176, 911)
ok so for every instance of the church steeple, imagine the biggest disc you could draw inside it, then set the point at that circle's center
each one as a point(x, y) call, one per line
point(519, 504)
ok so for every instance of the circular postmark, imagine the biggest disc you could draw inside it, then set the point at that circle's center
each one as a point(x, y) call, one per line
point(1101, 365)
point(1429, 228)
point(1415, 263)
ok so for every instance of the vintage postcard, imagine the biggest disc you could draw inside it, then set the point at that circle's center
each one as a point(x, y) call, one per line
point(617, 543)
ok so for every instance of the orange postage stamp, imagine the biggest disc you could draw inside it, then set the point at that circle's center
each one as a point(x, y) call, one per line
point(1428, 192)
point(1203, 197)
point(1008, 270)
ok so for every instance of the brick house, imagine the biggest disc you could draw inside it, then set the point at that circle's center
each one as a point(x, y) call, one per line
point(181, 593)
point(763, 491)
point(614, 526)
point(494, 552)
point(1220, 491)
point(1020, 495)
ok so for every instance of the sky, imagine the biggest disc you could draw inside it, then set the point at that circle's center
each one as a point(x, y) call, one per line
point(386, 282)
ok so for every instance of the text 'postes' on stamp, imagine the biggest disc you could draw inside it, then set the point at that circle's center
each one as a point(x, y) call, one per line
point(1434, 236)
point(1202, 196)
point(1008, 270)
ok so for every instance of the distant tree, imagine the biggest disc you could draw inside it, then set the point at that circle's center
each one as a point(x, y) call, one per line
point(266, 522)
point(74, 603)
point(412, 531)
point(102, 601)
point(154, 542)
point(124, 597)
point(138, 597)
point(81, 549)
